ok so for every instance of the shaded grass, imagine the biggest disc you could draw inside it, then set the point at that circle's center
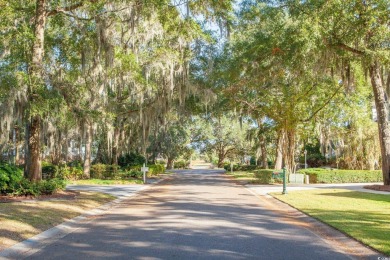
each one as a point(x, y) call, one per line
point(363, 216)
point(22, 220)
point(246, 176)
point(105, 182)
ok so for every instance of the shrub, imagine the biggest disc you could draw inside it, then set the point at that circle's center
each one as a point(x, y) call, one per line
point(49, 170)
point(70, 173)
point(10, 177)
point(156, 169)
point(264, 176)
point(239, 167)
point(45, 187)
point(111, 171)
point(98, 170)
point(181, 164)
point(131, 159)
point(319, 175)
point(51, 186)
point(132, 174)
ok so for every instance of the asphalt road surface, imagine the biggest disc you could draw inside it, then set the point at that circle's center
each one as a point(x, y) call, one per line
point(196, 214)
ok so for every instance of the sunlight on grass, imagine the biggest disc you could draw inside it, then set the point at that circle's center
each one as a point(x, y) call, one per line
point(105, 182)
point(22, 220)
point(364, 216)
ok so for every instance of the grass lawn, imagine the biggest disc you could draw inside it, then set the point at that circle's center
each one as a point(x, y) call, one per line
point(243, 176)
point(22, 220)
point(364, 216)
point(105, 182)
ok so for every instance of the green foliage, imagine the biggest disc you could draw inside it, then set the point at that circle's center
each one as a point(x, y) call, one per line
point(264, 176)
point(132, 174)
point(98, 170)
point(104, 171)
point(319, 175)
point(70, 173)
point(240, 167)
point(131, 159)
point(181, 164)
point(10, 177)
point(48, 187)
point(49, 170)
point(156, 169)
point(45, 187)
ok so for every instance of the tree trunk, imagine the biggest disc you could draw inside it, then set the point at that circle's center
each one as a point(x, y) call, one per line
point(220, 162)
point(289, 151)
point(17, 140)
point(170, 163)
point(33, 160)
point(382, 116)
point(221, 158)
point(87, 159)
point(279, 152)
point(65, 147)
point(115, 146)
point(33, 163)
point(263, 145)
point(80, 149)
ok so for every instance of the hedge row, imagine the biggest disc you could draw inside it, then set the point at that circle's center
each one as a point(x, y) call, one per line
point(238, 167)
point(13, 183)
point(264, 176)
point(320, 175)
point(98, 171)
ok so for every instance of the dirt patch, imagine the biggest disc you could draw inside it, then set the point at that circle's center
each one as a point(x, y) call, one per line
point(378, 187)
point(58, 195)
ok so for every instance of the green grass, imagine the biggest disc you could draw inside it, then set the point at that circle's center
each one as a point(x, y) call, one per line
point(243, 176)
point(105, 182)
point(364, 216)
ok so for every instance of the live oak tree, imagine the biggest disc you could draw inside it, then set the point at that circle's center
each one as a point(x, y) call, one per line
point(358, 30)
point(95, 74)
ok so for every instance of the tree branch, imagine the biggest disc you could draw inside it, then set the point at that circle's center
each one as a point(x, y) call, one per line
point(350, 49)
point(323, 105)
point(67, 9)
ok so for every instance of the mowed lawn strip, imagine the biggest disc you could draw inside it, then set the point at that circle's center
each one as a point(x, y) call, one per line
point(242, 175)
point(105, 182)
point(363, 216)
point(22, 220)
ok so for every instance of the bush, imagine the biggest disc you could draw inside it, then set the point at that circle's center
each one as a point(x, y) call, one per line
point(45, 187)
point(111, 171)
point(181, 164)
point(239, 167)
point(70, 173)
point(104, 171)
point(319, 175)
point(264, 176)
point(98, 170)
point(156, 169)
point(130, 159)
point(10, 177)
point(49, 170)
point(131, 174)
point(51, 186)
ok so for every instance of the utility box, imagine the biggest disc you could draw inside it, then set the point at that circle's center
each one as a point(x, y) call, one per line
point(297, 178)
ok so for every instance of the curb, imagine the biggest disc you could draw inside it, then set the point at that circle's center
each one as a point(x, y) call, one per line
point(34, 244)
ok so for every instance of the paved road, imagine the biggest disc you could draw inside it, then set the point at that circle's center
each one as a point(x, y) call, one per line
point(196, 214)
